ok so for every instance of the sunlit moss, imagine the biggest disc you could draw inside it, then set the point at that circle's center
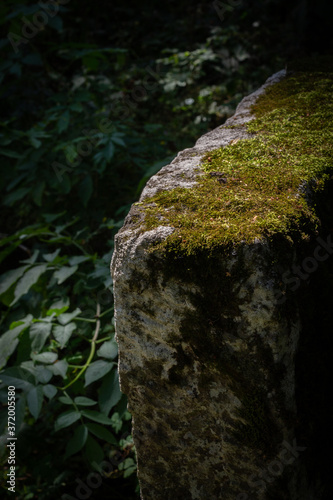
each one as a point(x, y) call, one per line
point(257, 187)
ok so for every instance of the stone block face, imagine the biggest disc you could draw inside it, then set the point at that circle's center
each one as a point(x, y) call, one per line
point(207, 354)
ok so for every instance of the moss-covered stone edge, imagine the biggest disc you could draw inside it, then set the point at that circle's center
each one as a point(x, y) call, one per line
point(261, 187)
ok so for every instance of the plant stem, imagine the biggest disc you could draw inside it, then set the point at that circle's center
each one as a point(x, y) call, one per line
point(105, 312)
point(92, 349)
point(102, 340)
point(85, 319)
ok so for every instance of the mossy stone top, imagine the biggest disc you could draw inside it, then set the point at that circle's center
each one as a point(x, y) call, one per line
point(259, 186)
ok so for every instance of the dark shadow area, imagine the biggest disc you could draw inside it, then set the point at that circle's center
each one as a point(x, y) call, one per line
point(313, 361)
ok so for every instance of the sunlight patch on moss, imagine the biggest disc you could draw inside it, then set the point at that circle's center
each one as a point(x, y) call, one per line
point(256, 188)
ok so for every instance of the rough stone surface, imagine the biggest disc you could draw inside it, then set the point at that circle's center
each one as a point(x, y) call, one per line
point(183, 170)
point(207, 357)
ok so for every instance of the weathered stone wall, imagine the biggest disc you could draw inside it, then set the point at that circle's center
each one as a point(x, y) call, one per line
point(207, 353)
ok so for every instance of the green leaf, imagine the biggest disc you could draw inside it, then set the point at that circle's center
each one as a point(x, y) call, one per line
point(75, 359)
point(102, 433)
point(78, 259)
point(94, 451)
point(66, 400)
point(45, 357)
point(50, 257)
point(97, 370)
point(37, 193)
point(36, 143)
point(77, 442)
point(20, 412)
point(42, 374)
point(122, 407)
point(128, 466)
point(59, 368)
point(9, 341)
point(67, 317)
point(130, 470)
point(16, 195)
point(66, 184)
point(76, 106)
point(109, 392)
point(31, 259)
point(10, 277)
point(58, 307)
point(30, 366)
point(109, 151)
point(66, 419)
point(65, 272)
point(7, 297)
point(50, 391)
point(33, 59)
point(15, 182)
point(39, 332)
point(17, 376)
point(85, 189)
point(27, 281)
point(117, 140)
point(83, 401)
point(62, 334)
point(116, 422)
point(63, 122)
point(3, 421)
point(96, 416)
point(35, 400)
point(10, 154)
point(109, 349)
point(52, 217)
point(56, 23)
point(16, 69)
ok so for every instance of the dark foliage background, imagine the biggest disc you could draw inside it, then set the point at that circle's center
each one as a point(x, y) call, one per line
point(95, 98)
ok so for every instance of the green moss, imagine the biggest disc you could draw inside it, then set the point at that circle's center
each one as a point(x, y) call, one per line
point(257, 187)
